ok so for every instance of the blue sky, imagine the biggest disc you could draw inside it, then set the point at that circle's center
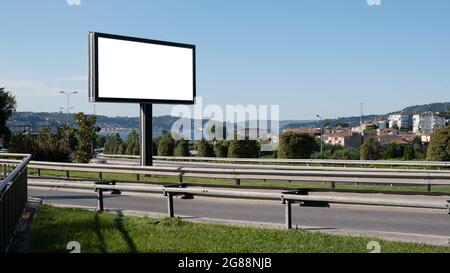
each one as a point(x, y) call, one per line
point(310, 57)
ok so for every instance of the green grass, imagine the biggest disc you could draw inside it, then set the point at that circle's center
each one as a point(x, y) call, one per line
point(280, 184)
point(54, 227)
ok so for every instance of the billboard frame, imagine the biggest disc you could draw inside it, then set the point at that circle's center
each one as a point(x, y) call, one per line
point(94, 69)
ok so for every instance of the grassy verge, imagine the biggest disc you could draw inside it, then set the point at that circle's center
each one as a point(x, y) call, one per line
point(280, 184)
point(54, 227)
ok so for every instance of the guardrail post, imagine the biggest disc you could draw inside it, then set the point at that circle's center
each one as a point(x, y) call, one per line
point(170, 205)
point(237, 181)
point(288, 213)
point(180, 178)
point(138, 177)
point(428, 187)
point(67, 174)
point(100, 199)
point(38, 172)
point(100, 175)
point(333, 185)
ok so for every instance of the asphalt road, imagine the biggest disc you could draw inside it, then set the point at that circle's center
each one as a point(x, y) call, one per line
point(432, 226)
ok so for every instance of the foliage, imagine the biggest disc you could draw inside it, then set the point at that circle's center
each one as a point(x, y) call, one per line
point(393, 151)
point(243, 149)
point(166, 145)
point(439, 147)
point(86, 134)
point(46, 147)
point(408, 153)
point(7, 107)
point(371, 149)
point(337, 152)
point(205, 149)
point(182, 148)
point(221, 148)
point(293, 146)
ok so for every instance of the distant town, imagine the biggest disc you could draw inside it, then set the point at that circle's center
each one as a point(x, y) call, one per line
point(400, 127)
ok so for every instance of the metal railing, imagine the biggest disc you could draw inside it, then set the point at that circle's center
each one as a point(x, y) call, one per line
point(426, 178)
point(304, 162)
point(13, 197)
point(287, 198)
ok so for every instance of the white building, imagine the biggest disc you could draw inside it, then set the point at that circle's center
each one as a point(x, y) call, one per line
point(427, 123)
point(400, 121)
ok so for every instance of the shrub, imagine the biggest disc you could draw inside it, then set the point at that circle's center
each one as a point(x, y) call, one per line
point(293, 146)
point(243, 149)
point(221, 148)
point(182, 148)
point(166, 145)
point(205, 149)
point(371, 149)
point(439, 147)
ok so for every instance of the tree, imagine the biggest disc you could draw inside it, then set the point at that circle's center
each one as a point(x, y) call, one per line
point(243, 149)
point(7, 107)
point(86, 134)
point(112, 143)
point(132, 138)
point(221, 148)
point(418, 148)
point(182, 148)
point(439, 147)
point(371, 149)
point(394, 151)
point(408, 153)
point(166, 145)
point(346, 154)
point(205, 149)
point(296, 146)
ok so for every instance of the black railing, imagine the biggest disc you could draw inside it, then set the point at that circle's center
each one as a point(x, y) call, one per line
point(13, 198)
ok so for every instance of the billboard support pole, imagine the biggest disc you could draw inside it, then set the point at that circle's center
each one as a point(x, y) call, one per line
point(146, 136)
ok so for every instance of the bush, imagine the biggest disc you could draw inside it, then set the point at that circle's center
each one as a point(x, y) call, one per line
point(182, 148)
point(243, 149)
point(439, 147)
point(166, 145)
point(408, 153)
point(46, 147)
point(371, 149)
point(296, 146)
point(205, 149)
point(394, 151)
point(221, 148)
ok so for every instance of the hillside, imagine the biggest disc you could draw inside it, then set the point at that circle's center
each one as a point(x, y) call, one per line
point(432, 107)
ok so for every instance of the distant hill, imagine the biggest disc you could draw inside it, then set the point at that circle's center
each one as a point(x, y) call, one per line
point(432, 107)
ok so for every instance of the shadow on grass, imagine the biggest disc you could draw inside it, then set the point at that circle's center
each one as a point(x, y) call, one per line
point(118, 221)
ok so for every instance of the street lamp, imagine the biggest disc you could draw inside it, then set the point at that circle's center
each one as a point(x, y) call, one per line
point(321, 136)
point(68, 94)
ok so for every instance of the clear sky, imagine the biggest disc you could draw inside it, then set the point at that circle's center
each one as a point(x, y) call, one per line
point(309, 56)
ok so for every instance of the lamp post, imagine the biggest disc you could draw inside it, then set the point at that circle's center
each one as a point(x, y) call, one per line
point(321, 136)
point(68, 94)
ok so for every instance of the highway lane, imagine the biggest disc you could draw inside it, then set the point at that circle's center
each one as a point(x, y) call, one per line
point(426, 223)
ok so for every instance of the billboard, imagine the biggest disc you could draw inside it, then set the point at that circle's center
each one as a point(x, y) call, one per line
point(135, 70)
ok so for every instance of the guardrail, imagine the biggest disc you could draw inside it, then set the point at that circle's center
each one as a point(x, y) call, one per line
point(330, 175)
point(305, 162)
point(13, 197)
point(287, 198)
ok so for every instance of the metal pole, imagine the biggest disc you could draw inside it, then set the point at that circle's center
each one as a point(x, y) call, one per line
point(321, 136)
point(146, 136)
point(288, 209)
point(170, 205)
point(100, 199)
